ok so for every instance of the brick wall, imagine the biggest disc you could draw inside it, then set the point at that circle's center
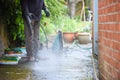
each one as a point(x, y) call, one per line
point(109, 39)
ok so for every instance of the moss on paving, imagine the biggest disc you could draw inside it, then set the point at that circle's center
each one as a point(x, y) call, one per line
point(14, 73)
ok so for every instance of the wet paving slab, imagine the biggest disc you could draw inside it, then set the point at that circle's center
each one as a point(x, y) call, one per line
point(73, 63)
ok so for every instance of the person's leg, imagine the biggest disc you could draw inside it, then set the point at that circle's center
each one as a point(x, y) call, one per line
point(36, 40)
point(28, 40)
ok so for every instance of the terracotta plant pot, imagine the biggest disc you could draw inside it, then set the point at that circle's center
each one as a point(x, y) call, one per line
point(83, 38)
point(69, 37)
point(10, 52)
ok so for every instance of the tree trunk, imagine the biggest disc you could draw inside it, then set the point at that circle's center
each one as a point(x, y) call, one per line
point(83, 11)
point(71, 7)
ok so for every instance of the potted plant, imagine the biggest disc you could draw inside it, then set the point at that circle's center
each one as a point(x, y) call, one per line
point(84, 36)
point(9, 51)
point(69, 30)
point(69, 36)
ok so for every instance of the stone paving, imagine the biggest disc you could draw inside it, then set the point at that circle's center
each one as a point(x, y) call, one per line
point(73, 63)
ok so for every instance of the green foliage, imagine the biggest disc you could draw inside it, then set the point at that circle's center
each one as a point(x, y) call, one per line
point(71, 25)
point(60, 20)
point(7, 49)
point(10, 13)
point(88, 3)
point(56, 8)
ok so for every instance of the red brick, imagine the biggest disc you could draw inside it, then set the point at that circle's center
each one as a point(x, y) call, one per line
point(117, 7)
point(116, 45)
point(116, 36)
point(109, 37)
point(109, 69)
point(116, 74)
point(116, 55)
point(101, 77)
point(103, 73)
point(118, 17)
point(112, 62)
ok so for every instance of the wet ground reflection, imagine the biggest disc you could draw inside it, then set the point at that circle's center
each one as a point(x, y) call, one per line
point(73, 64)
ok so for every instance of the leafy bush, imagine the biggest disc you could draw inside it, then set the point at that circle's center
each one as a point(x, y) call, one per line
point(66, 24)
point(11, 15)
point(10, 12)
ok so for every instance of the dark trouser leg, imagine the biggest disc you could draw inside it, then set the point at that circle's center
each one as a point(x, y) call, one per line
point(36, 38)
point(28, 40)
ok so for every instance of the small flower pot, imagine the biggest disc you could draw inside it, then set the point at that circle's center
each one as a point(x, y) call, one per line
point(69, 37)
point(83, 38)
point(10, 52)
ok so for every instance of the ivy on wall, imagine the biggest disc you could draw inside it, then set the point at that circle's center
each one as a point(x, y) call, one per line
point(11, 16)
